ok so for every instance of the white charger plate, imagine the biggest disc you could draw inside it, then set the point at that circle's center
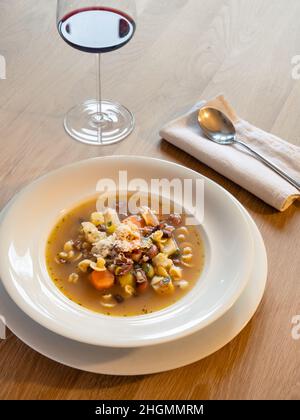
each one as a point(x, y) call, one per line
point(228, 246)
point(145, 360)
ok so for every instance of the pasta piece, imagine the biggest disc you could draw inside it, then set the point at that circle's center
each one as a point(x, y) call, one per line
point(66, 255)
point(157, 236)
point(68, 246)
point(186, 260)
point(182, 284)
point(188, 265)
point(99, 265)
point(84, 265)
point(169, 247)
point(107, 297)
point(162, 260)
point(161, 271)
point(108, 305)
point(63, 255)
point(78, 257)
point(185, 245)
point(73, 278)
point(71, 254)
point(187, 250)
point(129, 290)
point(187, 257)
point(182, 230)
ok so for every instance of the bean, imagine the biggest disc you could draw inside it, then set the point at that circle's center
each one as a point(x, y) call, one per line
point(152, 252)
point(175, 219)
point(119, 298)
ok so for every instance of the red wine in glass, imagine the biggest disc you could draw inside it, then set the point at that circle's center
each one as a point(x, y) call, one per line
point(97, 29)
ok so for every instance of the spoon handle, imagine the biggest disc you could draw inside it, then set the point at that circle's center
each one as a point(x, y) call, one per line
point(270, 165)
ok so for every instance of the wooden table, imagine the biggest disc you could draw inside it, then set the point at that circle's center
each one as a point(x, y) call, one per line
point(184, 50)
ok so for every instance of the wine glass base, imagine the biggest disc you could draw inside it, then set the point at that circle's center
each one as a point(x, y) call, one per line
point(84, 123)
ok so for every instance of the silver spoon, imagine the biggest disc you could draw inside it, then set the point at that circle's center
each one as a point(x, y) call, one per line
point(220, 129)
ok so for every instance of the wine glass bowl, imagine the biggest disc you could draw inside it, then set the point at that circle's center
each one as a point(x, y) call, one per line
point(97, 27)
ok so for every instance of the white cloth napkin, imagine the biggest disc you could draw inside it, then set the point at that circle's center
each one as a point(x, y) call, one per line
point(236, 163)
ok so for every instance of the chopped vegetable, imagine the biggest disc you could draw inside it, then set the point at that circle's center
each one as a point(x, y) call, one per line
point(149, 270)
point(110, 228)
point(127, 280)
point(175, 272)
point(162, 285)
point(102, 280)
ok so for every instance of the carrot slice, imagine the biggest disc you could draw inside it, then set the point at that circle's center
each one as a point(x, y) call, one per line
point(102, 280)
point(136, 220)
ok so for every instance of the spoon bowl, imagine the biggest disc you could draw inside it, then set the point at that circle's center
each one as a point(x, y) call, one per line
point(216, 126)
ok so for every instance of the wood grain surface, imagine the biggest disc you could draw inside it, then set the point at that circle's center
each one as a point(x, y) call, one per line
point(184, 50)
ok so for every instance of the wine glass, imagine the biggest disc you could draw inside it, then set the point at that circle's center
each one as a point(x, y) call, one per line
point(97, 27)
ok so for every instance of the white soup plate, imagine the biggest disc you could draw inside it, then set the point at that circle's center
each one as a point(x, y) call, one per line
point(31, 215)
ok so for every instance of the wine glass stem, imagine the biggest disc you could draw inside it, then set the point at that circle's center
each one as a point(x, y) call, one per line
point(99, 86)
point(99, 98)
